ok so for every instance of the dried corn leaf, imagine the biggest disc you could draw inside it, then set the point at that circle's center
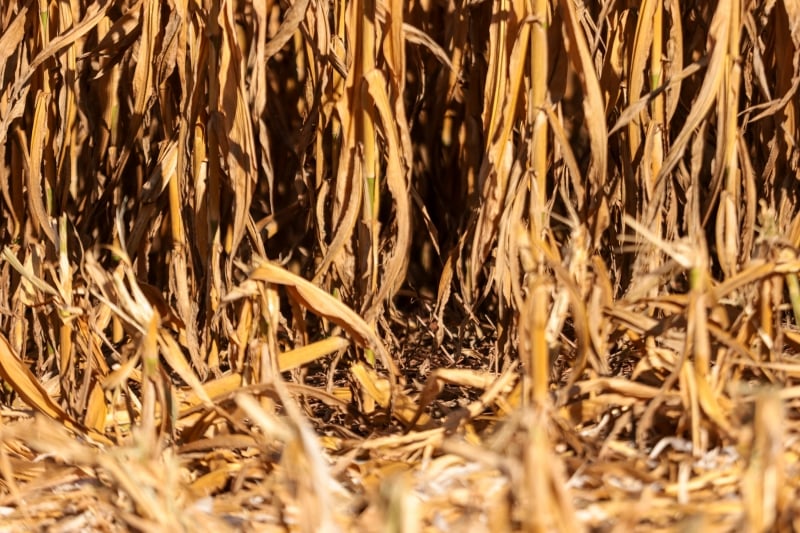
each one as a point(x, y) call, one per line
point(24, 383)
point(303, 355)
point(325, 305)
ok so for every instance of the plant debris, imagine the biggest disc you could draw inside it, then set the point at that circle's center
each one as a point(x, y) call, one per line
point(360, 265)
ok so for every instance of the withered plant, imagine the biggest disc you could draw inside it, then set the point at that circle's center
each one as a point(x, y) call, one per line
point(382, 265)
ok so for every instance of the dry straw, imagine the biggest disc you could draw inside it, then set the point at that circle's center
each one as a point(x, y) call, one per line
point(401, 266)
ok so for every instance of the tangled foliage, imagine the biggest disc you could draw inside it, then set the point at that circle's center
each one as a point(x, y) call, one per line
point(492, 264)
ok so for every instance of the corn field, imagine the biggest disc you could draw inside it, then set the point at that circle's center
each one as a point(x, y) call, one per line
point(383, 265)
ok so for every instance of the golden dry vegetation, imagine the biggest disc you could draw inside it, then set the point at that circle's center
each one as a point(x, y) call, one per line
point(362, 265)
